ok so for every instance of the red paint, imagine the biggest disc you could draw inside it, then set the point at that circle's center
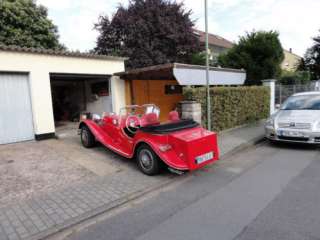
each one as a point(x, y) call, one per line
point(185, 145)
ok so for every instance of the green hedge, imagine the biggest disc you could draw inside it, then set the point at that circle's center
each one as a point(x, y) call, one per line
point(232, 106)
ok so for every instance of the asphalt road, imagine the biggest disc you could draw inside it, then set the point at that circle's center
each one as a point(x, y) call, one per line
point(266, 192)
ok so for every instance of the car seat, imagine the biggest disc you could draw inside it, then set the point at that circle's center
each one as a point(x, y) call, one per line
point(173, 116)
point(149, 119)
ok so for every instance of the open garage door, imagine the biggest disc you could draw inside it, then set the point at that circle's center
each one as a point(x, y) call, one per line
point(16, 122)
point(73, 94)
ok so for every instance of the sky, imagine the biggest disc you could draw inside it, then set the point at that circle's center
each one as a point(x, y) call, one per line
point(296, 21)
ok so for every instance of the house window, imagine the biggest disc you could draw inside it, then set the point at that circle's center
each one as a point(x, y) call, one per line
point(100, 88)
point(173, 89)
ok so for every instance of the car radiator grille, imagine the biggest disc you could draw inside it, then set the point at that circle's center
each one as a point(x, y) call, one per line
point(294, 125)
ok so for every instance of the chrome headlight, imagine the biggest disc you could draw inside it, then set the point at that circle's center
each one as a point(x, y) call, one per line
point(270, 122)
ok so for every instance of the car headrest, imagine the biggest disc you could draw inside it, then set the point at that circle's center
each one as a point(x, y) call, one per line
point(173, 116)
point(149, 119)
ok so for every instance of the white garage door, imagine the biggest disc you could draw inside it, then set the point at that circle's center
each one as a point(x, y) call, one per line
point(15, 109)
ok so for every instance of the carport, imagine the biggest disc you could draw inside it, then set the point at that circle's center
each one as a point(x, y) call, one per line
point(163, 84)
point(35, 83)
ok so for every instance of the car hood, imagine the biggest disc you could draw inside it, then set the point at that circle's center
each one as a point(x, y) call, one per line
point(301, 116)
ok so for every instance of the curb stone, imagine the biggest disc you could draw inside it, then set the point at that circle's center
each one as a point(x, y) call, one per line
point(244, 146)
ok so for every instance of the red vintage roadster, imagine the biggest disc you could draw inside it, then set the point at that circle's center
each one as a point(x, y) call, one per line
point(137, 133)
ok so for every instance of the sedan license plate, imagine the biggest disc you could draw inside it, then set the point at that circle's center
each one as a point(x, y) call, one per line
point(203, 158)
point(291, 134)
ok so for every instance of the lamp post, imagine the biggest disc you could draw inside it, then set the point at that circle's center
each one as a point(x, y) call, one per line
point(207, 68)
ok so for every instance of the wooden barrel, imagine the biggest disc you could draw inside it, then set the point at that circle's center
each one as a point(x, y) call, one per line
point(190, 110)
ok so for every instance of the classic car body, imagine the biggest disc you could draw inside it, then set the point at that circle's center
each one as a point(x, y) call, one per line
point(137, 133)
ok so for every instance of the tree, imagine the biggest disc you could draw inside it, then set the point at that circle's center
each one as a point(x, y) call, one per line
point(311, 61)
point(149, 32)
point(24, 23)
point(198, 58)
point(259, 53)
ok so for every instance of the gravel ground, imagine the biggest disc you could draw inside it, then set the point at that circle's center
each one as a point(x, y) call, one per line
point(31, 168)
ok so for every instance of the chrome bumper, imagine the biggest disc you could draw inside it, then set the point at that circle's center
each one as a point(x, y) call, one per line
point(309, 136)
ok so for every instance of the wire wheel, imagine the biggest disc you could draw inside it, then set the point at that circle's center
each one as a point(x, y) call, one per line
point(87, 138)
point(148, 161)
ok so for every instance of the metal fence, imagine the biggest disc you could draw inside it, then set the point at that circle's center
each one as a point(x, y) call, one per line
point(285, 91)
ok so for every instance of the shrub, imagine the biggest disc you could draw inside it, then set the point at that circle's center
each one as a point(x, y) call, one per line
point(259, 53)
point(232, 106)
point(291, 78)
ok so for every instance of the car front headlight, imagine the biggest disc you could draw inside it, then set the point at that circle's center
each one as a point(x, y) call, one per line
point(270, 122)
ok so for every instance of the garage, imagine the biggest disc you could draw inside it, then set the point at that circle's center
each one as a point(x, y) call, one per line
point(41, 88)
point(73, 94)
point(16, 121)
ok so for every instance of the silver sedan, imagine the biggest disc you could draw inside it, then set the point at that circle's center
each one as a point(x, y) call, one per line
point(297, 120)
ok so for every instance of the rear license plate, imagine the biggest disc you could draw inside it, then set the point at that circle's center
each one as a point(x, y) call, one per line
point(203, 158)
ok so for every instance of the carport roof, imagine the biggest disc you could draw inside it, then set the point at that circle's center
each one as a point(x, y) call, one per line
point(13, 48)
point(186, 74)
point(165, 71)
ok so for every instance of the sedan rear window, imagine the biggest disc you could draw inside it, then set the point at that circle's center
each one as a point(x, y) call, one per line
point(302, 102)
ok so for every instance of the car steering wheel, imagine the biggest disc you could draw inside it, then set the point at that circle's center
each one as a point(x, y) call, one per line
point(132, 122)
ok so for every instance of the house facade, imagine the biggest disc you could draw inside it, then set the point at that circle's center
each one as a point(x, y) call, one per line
point(217, 44)
point(291, 61)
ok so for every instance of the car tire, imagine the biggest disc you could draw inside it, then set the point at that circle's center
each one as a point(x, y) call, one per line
point(87, 138)
point(148, 161)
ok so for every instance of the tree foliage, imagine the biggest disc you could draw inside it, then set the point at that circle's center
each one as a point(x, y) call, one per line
point(24, 23)
point(198, 58)
point(292, 78)
point(311, 61)
point(149, 32)
point(259, 53)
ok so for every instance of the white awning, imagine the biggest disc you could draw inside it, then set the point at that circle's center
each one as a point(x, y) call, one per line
point(186, 74)
point(196, 75)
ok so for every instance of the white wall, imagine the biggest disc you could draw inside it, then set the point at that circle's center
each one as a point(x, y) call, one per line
point(118, 99)
point(39, 66)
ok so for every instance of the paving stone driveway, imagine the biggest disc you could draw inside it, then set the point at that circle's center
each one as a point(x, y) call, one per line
point(62, 183)
point(43, 215)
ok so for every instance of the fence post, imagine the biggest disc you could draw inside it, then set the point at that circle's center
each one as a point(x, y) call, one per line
point(271, 83)
point(280, 94)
